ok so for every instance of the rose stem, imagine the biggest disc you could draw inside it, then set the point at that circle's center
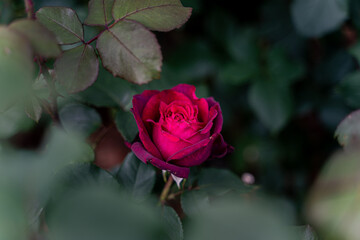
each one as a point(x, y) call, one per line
point(29, 8)
point(166, 190)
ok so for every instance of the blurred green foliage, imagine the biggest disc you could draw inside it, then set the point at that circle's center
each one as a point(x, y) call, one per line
point(285, 73)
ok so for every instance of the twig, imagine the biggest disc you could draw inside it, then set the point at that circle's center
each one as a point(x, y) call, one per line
point(166, 189)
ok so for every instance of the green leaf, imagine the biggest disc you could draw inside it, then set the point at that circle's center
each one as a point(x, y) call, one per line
point(98, 212)
point(349, 88)
point(109, 91)
point(220, 181)
point(63, 22)
point(33, 109)
point(195, 201)
point(137, 177)
point(42, 40)
point(99, 12)
point(80, 118)
point(238, 73)
point(332, 205)
point(282, 69)
point(77, 69)
point(126, 124)
point(13, 121)
point(172, 223)
point(130, 51)
point(271, 103)
point(237, 219)
point(315, 18)
point(159, 15)
point(348, 131)
point(77, 175)
point(16, 67)
point(13, 224)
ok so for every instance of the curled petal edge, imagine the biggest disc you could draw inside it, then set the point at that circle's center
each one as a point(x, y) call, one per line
point(140, 152)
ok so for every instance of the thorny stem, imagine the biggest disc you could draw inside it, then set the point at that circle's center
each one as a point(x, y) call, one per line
point(29, 8)
point(166, 190)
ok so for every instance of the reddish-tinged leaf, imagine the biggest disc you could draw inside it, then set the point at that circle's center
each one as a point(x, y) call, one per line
point(43, 41)
point(77, 69)
point(99, 12)
point(159, 15)
point(130, 51)
point(63, 22)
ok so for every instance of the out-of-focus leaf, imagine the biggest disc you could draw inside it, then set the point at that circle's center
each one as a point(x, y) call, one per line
point(277, 26)
point(237, 219)
point(79, 118)
point(42, 40)
point(194, 201)
point(109, 91)
point(126, 124)
point(348, 131)
point(13, 224)
point(332, 205)
point(242, 45)
point(172, 223)
point(137, 177)
point(6, 13)
point(159, 15)
point(281, 69)
point(76, 176)
point(354, 7)
point(63, 22)
point(220, 181)
point(334, 68)
point(33, 109)
point(272, 104)
point(130, 51)
point(16, 67)
point(306, 233)
point(349, 88)
point(99, 12)
point(97, 211)
point(314, 18)
point(238, 73)
point(77, 69)
point(13, 121)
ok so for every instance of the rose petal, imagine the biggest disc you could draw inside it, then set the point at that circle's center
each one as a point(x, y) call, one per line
point(212, 115)
point(145, 156)
point(166, 142)
point(139, 101)
point(218, 121)
point(189, 90)
point(186, 151)
point(151, 109)
point(220, 148)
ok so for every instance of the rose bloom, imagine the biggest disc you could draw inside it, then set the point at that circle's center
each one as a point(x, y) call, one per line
point(177, 130)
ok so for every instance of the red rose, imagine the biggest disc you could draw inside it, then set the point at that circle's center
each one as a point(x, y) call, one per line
point(177, 130)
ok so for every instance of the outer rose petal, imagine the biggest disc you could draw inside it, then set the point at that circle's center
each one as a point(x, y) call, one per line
point(139, 102)
point(145, 156)
point(218, 121)
point(220, 148)
point(195, 155)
